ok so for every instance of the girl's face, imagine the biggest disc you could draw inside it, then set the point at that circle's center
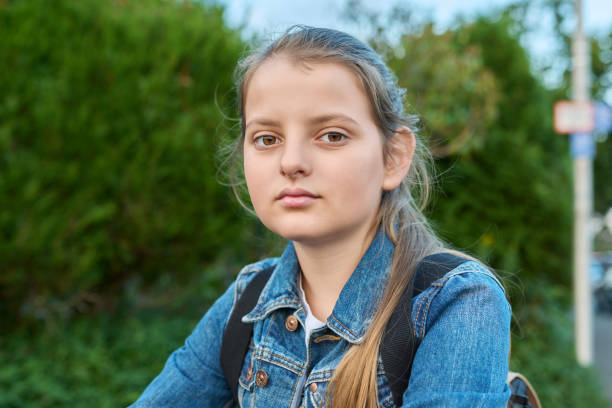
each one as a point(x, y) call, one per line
point(313, 155)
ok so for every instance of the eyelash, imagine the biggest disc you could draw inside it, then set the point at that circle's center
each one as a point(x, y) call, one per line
point(258, 141)
point(343, 137)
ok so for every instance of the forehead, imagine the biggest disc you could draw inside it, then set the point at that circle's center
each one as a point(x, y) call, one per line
point(282, 85)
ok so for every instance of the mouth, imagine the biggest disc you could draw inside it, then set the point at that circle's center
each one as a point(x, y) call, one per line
point(296, 197)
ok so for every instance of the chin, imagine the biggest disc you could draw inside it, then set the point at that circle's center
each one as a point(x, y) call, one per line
point(299, 235)
point(297, 230)
point(313, 235)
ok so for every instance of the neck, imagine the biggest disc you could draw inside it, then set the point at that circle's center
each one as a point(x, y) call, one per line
point(326, 267)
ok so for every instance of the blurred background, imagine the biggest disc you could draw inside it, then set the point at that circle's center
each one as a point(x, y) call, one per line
point(117, 231)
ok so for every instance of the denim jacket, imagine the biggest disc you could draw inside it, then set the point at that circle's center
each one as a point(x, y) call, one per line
point(462, 320)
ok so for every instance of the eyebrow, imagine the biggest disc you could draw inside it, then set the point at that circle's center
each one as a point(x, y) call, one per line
point(262, 122)
point(318, 120)
point(332, 117)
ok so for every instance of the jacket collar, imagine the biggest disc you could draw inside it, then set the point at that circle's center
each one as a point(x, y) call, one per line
point(358, 299)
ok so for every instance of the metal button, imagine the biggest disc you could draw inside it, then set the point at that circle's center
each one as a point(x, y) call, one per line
point(249, 374)
point(291, 323)
point(313, 387)
point(261, 377)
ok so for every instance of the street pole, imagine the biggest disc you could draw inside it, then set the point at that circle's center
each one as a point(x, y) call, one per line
point(583, 193)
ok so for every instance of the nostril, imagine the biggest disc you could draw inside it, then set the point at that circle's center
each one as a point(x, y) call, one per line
point(293, 170)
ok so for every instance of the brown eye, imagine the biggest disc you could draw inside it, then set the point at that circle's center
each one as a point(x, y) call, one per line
point(333, 137)
point(266, 140)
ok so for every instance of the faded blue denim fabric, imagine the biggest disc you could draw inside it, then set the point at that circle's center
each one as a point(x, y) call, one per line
point(462, 319)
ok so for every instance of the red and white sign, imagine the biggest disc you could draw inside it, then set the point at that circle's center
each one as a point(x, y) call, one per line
point(574, 117)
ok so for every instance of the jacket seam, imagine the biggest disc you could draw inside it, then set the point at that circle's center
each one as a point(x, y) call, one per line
point(276, 362)
point(350, 332)
point(437, 286)
point(272, 306)
point(424, 304)
point(263, 353)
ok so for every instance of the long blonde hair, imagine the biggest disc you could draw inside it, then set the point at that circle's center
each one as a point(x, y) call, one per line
point(401, 210)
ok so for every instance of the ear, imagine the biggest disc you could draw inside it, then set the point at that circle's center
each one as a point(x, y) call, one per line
point(399, 157)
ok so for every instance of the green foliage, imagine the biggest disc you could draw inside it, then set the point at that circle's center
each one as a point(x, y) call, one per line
point(510, 201)
point(543, 350)
point(94, 362)
point(601, 64)
point(106, 360)
point(600, 57)
point(108, 125)
point(506, 176)
point(456, 94)
point(602, 171)
point(601, 68)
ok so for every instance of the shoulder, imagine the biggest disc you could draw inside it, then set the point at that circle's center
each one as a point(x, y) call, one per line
point(463, 330)
point(470, 292)
point(471, 275)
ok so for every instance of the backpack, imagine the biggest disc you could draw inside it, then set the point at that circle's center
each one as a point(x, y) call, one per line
point(237, 335)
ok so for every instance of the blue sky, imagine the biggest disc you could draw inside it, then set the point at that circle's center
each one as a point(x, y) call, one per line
point(275, 15)
point(270, 17)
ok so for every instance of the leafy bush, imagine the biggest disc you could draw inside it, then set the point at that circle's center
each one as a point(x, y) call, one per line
point(510, 202)
point(108, 134)
point(543, 350)
point(454, 93)
point(505, 174)
point(105, 360)
point(90, 362)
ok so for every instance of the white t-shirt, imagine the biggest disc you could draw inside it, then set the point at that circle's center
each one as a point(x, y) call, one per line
point(311, 323)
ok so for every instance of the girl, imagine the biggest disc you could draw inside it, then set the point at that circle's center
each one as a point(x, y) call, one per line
point(332, 164)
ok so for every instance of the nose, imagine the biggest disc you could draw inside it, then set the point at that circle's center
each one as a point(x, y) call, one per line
point(295, 161)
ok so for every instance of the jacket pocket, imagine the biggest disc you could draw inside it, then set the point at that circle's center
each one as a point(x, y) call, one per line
point(315, 389)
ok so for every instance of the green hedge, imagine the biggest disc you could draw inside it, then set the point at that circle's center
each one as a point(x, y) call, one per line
point(104, 360)
point(109, 117)
point(510, 201)
point(505, 190)
point(94, 362)
point(543, 350)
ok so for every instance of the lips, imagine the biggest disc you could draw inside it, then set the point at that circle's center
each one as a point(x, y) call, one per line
point(296, 197)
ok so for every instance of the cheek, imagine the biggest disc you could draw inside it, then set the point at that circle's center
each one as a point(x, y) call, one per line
point(369, 167)
point(259, 176)
point(253, 175)
point(360, 177)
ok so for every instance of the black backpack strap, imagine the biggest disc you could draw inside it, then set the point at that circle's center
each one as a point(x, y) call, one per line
point(237, 335)
point(433, 267)
point(398, 345)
